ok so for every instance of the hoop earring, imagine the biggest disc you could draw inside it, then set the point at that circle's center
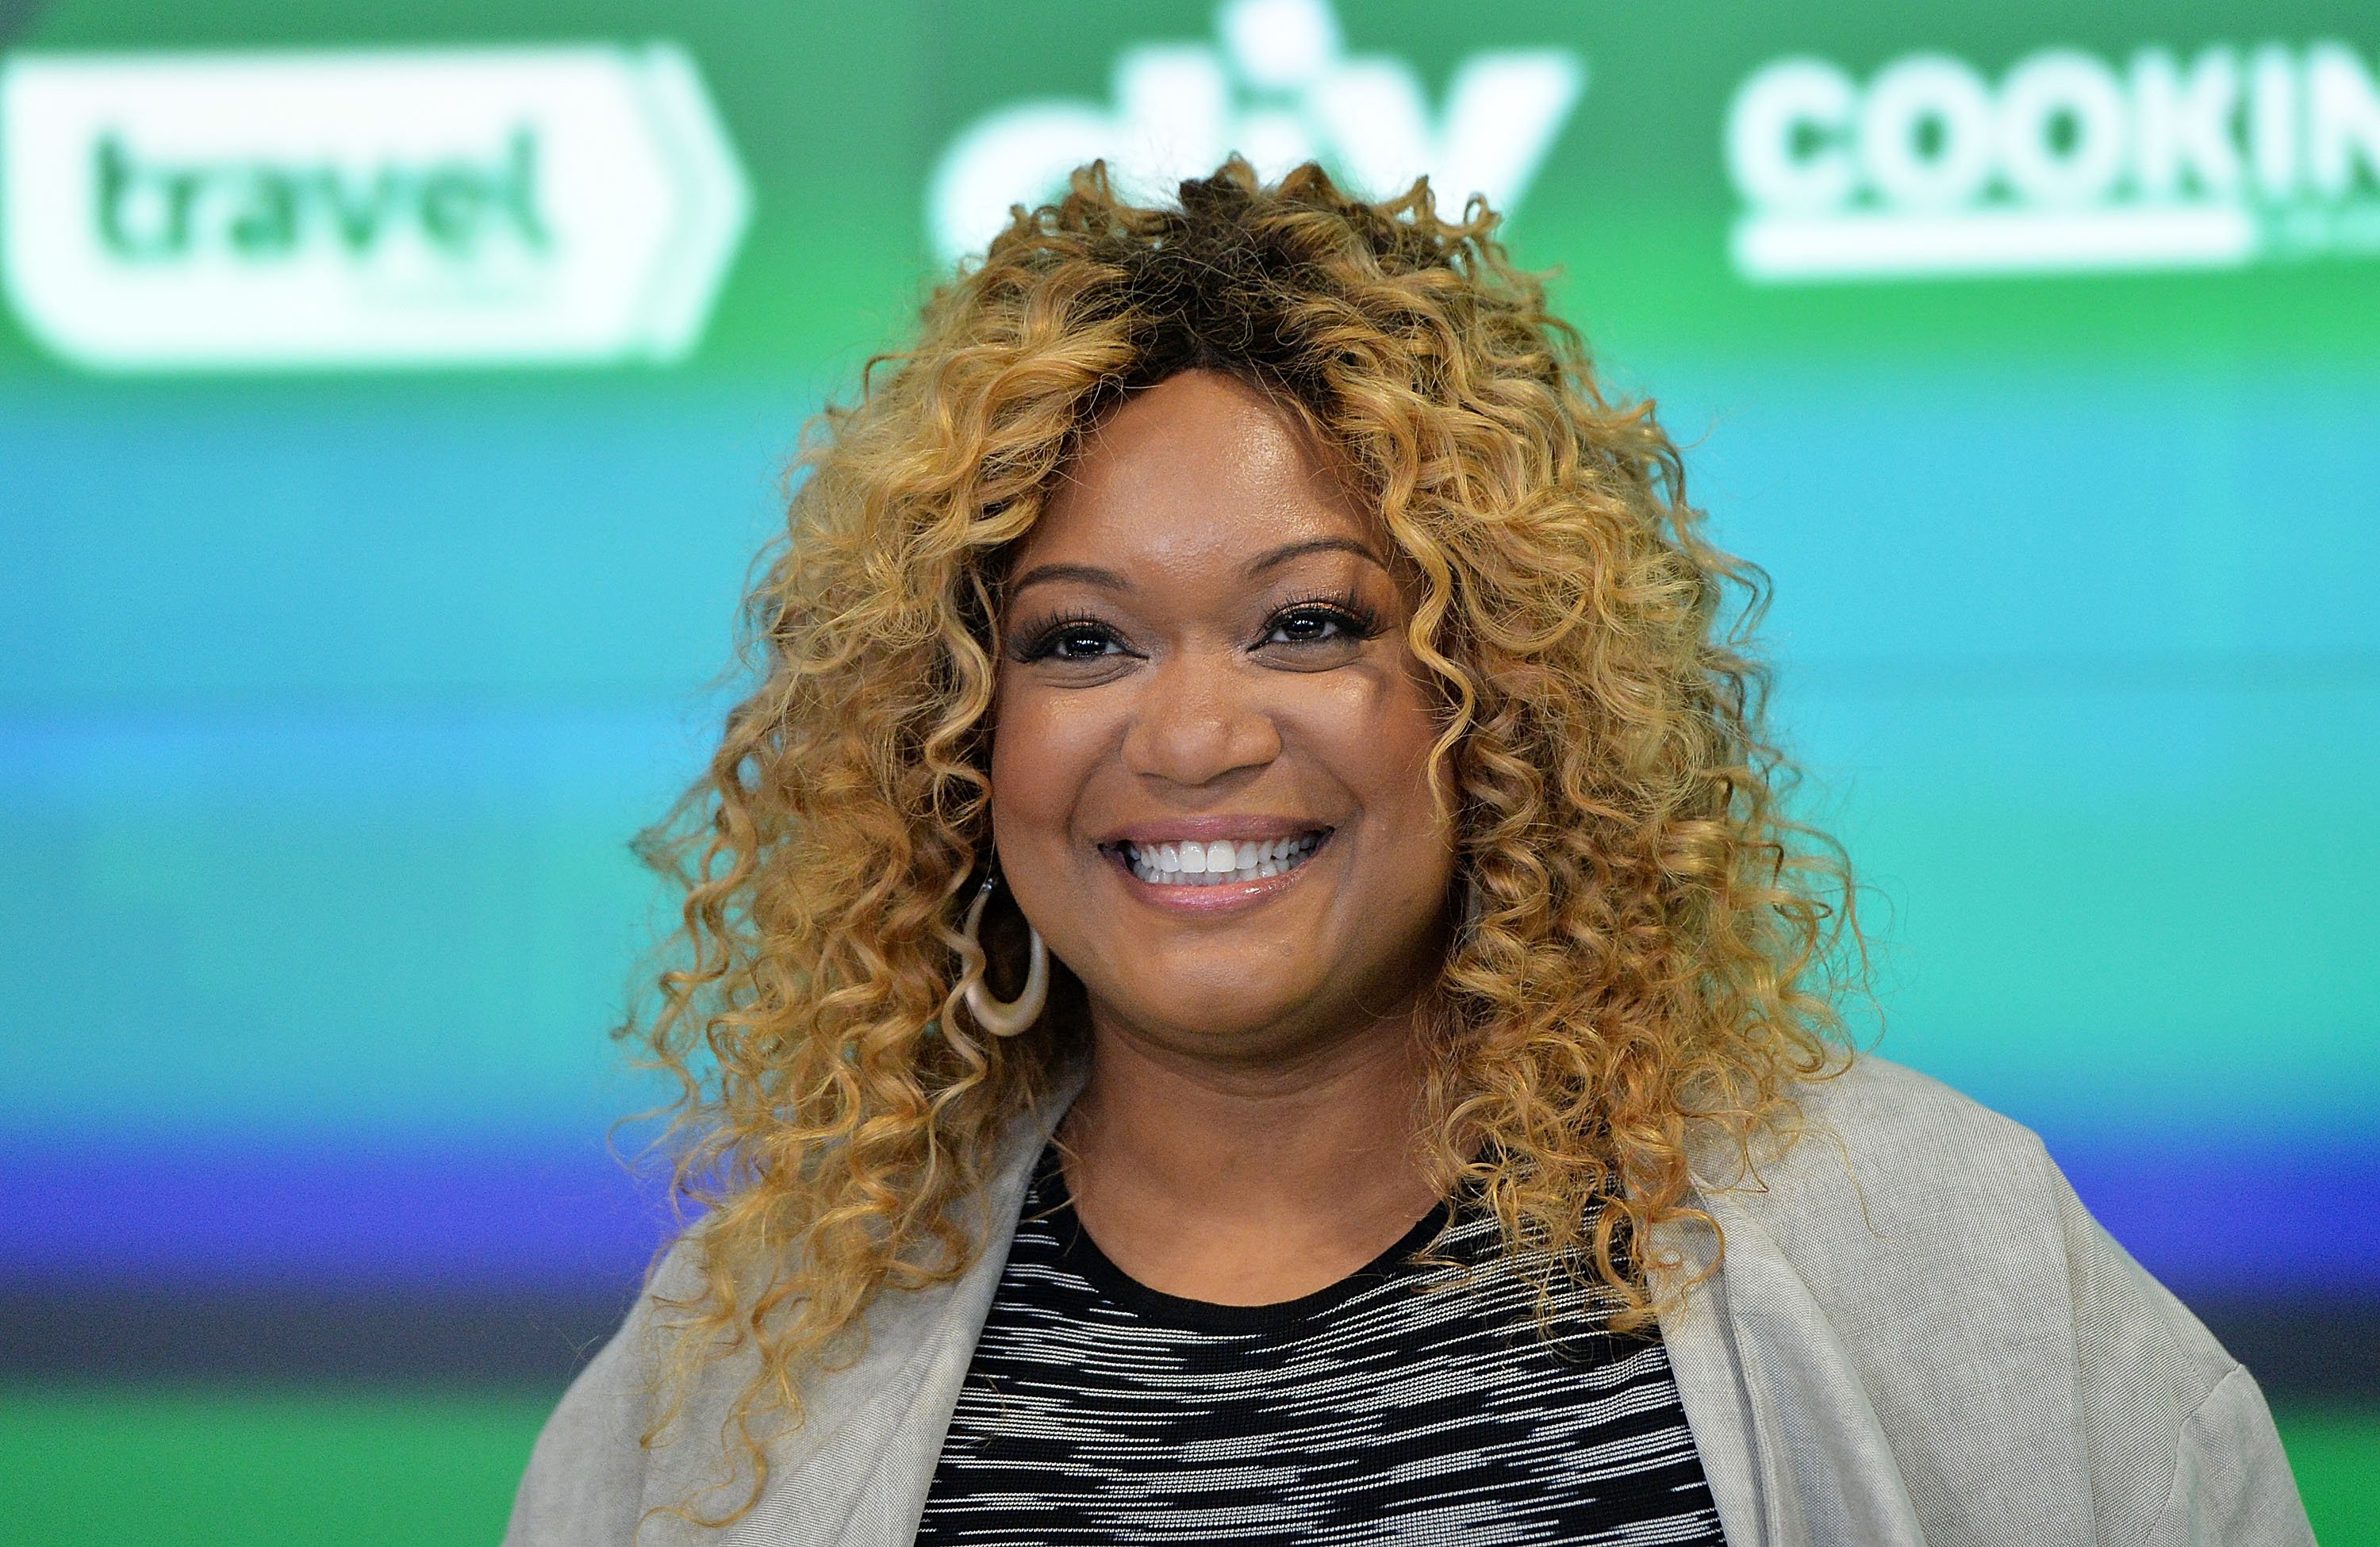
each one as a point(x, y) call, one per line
point(1016, 1016)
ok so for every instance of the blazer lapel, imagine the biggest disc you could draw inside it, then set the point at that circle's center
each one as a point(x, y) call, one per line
point(1790, 1441)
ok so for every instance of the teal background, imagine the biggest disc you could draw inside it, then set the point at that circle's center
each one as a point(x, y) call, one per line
point(329, 702)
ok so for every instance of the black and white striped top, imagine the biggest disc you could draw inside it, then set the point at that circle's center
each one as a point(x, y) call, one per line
point(1415, 1402)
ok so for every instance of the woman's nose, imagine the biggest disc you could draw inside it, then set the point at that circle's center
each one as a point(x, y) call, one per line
point(1199, 720)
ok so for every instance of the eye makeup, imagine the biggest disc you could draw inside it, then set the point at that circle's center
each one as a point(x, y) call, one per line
point(1354, 620)
point(1082, 635)
point(1050, 638)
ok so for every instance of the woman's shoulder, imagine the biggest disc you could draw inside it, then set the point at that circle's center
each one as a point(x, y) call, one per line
point(1928, 1249)
point(1889, 1192)
point(1874, 1157)
point(1869, 1123)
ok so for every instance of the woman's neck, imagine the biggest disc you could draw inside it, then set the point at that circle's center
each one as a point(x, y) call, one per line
point(1248, 1183)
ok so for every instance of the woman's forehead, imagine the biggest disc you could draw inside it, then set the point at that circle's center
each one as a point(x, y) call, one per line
point(1199, 467)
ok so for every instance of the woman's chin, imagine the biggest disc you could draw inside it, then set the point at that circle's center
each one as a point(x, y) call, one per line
point(1219, 1016)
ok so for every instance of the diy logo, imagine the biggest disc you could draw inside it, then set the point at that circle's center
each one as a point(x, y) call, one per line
point(1280, 90)
point(365, 208)
point(2066, 163)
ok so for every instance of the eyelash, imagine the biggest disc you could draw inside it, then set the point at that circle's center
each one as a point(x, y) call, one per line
point(1043, 640)
point(1351, 615)
point(1353, 618)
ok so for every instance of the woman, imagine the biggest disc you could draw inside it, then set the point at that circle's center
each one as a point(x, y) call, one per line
point(1247, 980)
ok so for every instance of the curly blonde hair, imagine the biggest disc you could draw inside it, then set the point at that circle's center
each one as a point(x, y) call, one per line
point(1645, 939)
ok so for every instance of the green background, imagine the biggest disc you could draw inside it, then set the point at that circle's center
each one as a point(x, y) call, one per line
point(328, 703)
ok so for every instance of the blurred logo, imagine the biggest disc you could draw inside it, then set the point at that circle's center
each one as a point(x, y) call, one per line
point(365, 208)
point(1280, 90)
point(2065, 164)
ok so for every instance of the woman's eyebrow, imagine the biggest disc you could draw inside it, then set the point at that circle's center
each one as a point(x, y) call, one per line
point(1108, 580)
point(1090, 574)
point(1318, 546)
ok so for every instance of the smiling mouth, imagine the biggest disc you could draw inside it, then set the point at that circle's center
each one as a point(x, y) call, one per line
point(1218, 863)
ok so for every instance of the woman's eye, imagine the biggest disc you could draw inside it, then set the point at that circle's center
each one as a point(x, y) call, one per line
point(1077, 641)
point(1311, 625)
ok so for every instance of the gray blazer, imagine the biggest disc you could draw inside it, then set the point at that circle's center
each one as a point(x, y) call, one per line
point(1916, 1336)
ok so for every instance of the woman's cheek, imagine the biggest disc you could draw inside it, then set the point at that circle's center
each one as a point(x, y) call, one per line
point(1045, 755)
point(1372, 727)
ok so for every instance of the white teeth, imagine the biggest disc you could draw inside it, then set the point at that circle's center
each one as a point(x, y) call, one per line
point(1212, 864)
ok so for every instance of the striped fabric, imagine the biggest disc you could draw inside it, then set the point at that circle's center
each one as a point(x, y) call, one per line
point(1415, 1402)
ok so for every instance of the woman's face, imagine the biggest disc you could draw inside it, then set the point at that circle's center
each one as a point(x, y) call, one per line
point(1209, 787)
